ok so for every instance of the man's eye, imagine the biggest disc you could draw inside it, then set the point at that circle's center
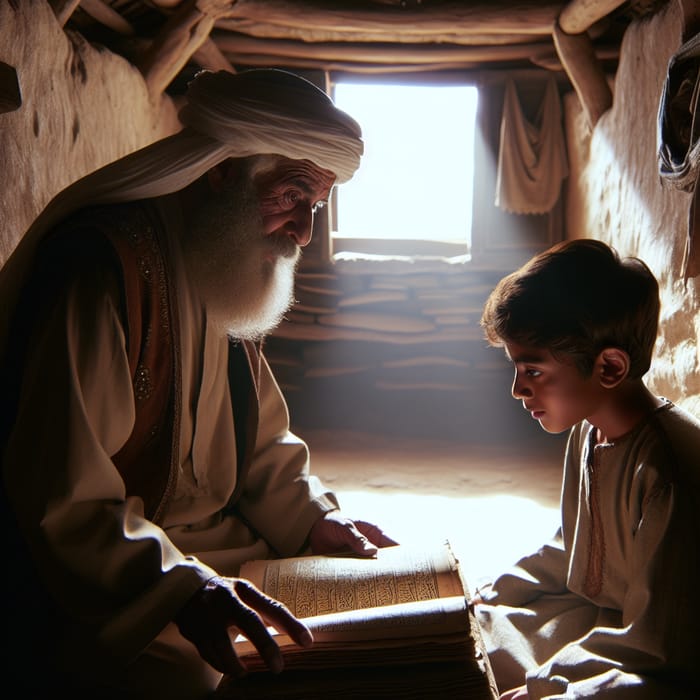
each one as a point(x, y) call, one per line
point(290, 198)
point(318, 206)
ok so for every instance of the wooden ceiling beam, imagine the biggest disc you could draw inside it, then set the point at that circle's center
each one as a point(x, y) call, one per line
point(552, 62)
point(185, 32)
point(390, 36)
point(239, 48)
point(585, 73)
point(265, 61)
point(578, 57)
point(580, 15)
point(316, 20)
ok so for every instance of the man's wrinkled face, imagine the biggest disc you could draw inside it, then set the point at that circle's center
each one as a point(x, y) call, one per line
point(289, 196)
point(245, 241)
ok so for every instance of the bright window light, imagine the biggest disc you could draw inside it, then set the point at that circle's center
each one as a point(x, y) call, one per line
point(415, 179)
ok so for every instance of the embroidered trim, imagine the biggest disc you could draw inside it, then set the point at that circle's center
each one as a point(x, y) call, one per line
point(143, 385)
point(593, 583)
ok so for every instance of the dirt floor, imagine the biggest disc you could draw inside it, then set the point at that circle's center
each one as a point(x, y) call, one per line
point(492, 502)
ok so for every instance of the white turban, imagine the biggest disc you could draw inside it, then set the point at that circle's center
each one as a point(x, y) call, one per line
point(226, 115)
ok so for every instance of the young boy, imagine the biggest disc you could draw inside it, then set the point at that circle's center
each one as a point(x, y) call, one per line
point(610, 608)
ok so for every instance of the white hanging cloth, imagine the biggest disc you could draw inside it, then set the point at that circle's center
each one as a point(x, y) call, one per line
point(532, 160)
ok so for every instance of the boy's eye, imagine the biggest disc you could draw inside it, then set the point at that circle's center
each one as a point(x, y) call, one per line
point(533, 372)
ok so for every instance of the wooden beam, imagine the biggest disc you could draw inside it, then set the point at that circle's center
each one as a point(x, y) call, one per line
point(550, 60)
point(265, 61)
point(578, 57)
point(579, 15)
point(240, 48)
point(319, 20)
point(183, 33)
point(387, 34)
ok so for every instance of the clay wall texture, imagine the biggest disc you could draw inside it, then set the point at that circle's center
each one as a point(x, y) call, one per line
point(81, 107)
point(373, 336)
point(615, 194)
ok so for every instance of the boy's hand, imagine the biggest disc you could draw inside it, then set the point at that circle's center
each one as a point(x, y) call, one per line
point(225, 603)
point(515, 694)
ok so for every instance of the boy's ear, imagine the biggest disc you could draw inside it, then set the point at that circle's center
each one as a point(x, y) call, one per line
point(611, 367)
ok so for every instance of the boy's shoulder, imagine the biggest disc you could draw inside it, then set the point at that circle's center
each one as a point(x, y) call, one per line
point(673, 433)
point(674, 417)
point(667, 442)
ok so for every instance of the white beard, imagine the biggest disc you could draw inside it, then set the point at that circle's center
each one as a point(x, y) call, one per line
point(244, 277)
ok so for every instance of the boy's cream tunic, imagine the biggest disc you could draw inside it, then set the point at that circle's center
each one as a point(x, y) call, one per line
point(122, 575)
point(609, 608)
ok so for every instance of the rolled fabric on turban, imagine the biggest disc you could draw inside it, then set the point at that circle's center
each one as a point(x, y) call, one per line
point(272, 111)
point(226, 115)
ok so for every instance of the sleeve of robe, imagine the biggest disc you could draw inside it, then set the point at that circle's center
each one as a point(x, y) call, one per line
point(653, 651)
point(281, 499)
point(542, 572)
point(115, 574)
point(531, 577)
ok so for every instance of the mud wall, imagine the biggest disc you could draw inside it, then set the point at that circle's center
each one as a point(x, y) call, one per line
point(615, 193)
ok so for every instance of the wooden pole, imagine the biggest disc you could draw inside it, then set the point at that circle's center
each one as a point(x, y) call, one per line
point(183, 33)
point(578, 15)
point(242, 46)
point(578, 57)
point(316, 20)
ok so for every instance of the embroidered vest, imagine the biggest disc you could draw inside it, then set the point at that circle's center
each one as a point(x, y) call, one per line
point(128, 238)
point(154, 356)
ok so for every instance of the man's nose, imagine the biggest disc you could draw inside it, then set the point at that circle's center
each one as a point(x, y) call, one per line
point(300, 224)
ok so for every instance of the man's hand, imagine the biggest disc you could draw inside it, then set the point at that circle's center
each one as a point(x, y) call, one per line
point(519, 693)
point(334, 533)
point(226, 603)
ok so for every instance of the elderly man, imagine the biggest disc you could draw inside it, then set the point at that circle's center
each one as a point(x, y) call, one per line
point(146, 445)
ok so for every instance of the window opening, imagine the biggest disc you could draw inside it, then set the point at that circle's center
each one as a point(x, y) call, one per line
point(413, 190)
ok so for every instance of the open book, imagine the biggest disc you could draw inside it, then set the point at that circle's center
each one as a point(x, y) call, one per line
point(394, 626)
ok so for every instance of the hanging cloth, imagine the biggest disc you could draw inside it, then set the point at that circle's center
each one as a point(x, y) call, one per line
point(679, 147)
point(532, 159)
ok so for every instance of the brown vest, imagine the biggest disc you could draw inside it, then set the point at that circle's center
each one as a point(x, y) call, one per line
point(149, 459)
point(129, 239)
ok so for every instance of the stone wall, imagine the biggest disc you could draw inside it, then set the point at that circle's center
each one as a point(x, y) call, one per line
point(395, 346)
point(615, 193)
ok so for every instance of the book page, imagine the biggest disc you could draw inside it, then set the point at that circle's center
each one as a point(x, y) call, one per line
point(318, 585)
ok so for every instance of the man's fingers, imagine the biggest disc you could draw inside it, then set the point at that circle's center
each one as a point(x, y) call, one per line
point(360, 544)
point(374, 534)
point(221, 655)
point(275, 614)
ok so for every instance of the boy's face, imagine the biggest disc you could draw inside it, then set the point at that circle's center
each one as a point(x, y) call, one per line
point(553, 391)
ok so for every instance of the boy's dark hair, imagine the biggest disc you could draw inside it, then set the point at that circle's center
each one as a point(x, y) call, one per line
point(575, 299)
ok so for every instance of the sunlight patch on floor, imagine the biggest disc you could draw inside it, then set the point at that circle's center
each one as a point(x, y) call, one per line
point(487, 533)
